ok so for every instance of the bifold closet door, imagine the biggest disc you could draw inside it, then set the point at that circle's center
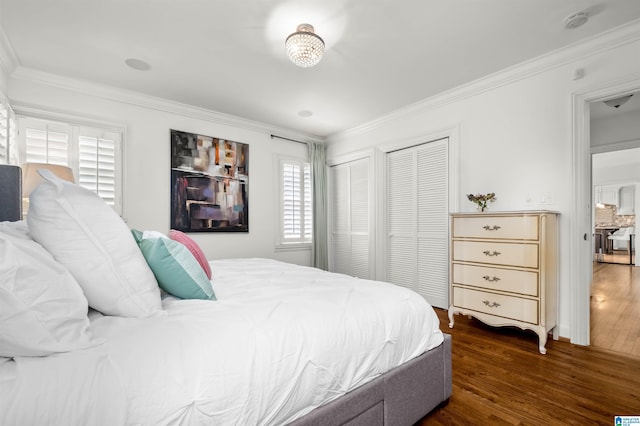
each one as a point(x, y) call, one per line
point(349, 224)
point(417, 214)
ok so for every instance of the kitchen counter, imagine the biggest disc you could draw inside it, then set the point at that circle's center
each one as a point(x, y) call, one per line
point(603, 244)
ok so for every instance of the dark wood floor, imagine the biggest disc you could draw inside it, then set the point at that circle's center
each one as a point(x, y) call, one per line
point(500, 378)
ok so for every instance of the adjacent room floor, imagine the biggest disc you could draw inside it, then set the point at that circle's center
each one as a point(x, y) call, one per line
point(615, 308)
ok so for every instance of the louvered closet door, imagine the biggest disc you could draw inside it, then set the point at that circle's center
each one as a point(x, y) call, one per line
point(417, 220)
point(349, 186)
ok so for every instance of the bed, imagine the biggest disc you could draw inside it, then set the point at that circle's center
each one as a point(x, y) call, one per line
point(264, 342)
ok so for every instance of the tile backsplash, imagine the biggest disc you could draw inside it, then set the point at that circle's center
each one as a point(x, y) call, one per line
point(607, 215)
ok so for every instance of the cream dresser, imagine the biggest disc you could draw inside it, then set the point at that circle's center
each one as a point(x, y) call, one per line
point(504, 269)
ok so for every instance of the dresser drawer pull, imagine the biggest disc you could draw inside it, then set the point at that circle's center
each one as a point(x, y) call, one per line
point(491, 279)
point(491, 253)
point(491, 228)
point(491, 304)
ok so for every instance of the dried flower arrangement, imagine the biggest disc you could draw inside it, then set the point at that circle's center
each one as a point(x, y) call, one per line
point(482, 199)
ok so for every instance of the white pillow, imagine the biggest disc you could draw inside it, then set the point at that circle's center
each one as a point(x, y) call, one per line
point(95, 245)
point(42, 308)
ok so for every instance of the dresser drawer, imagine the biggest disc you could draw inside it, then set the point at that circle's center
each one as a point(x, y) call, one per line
point(508, 254)
point(498, 227)
point(514, 281)
point(510, 307)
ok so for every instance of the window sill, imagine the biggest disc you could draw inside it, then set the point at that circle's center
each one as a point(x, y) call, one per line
point(293, 247)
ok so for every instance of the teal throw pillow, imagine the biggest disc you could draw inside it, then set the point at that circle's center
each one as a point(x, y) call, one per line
point(176, 269)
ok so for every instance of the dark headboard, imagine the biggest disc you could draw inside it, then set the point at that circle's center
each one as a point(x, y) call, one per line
point(10, 193)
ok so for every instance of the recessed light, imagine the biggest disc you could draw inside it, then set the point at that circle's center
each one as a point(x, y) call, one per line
point(305, 113)
point(575, 20)
point(137, 64)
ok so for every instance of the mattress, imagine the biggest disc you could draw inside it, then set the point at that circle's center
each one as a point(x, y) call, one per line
point(280, 341)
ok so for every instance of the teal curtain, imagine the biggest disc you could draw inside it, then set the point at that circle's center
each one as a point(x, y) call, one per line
point(320, 251)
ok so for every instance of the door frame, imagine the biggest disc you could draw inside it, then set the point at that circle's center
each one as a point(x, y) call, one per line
point(581, 258)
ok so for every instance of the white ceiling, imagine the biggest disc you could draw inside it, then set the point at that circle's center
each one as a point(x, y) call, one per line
point(228, 55)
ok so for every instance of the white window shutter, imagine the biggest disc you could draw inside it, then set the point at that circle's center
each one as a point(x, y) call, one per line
point(91, 152)
point(47, 143)
point(96, 166)
point(308, 203)
point(4, 133)
point(296, 202)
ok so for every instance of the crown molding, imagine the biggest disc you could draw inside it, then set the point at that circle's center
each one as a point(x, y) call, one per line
point(8, 59)
point(616, 37)
point(152, 102)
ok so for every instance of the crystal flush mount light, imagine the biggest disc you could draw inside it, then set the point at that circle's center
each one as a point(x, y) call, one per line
point(304, 47)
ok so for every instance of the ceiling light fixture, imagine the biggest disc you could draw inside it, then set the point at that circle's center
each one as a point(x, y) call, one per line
point(304, 47)
point(618, 102)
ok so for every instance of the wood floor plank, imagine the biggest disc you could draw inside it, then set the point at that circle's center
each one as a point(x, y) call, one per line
point(500, 378)
point(615, 307)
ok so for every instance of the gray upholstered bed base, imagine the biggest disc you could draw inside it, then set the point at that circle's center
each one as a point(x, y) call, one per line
point(10, 193)
point(401, 396)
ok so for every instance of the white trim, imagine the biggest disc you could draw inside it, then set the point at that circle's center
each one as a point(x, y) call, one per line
point(350, 156)
point(616, 146)
point(580, 273)
point(156, 103)
point(8, 59)
point(27, 111)
point(581, 50)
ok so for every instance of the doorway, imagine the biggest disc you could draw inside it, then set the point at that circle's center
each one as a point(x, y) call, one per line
point(581, 227)
point(615, 180)
point(615, 177)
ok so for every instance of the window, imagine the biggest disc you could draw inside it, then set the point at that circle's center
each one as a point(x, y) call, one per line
point(92, 152)
point(8, 151)
point(295, 202)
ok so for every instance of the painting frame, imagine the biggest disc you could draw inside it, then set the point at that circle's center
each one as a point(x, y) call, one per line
point(209, 183)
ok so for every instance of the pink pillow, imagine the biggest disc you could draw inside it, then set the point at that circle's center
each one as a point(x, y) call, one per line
point(193, 247)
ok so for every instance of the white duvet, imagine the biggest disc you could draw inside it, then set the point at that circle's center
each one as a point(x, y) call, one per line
point(281, 340)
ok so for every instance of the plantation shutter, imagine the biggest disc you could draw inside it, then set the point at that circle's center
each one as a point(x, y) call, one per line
point(92, 153)
point(308, 203)
point(350, 207)
point(8, 145)
point(292, 212)
point(417, 220)
point(96, 165)
point(296, 207)
point(47, 144)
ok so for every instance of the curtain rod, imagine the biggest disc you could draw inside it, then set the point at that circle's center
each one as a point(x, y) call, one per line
point(287, 139)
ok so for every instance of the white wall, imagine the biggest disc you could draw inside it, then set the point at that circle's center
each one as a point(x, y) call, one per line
point(619, 128)
point(3, 81)
point(147, 162)
point(515, 133)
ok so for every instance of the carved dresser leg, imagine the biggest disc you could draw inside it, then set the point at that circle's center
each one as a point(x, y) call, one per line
point(451, 316)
